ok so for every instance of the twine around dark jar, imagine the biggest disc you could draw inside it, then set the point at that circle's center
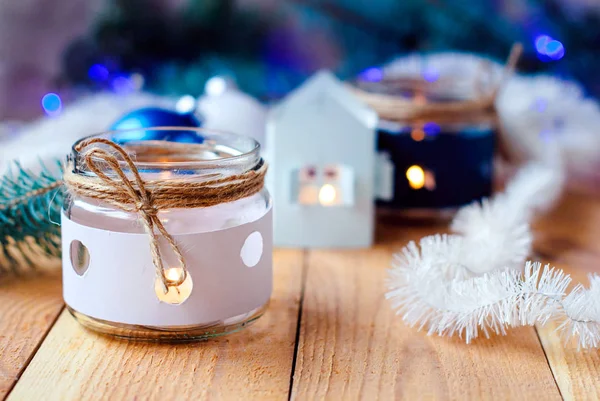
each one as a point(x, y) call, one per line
point(393, 107)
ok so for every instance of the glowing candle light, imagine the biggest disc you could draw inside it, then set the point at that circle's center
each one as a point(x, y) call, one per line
point(327, 195)
point(416, 177)
point(174, 274)
point(417, 134)
point(175, 294)
point(308, 195)
point(429, 180)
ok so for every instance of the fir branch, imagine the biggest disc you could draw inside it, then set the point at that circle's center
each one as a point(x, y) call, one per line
point(29, 207)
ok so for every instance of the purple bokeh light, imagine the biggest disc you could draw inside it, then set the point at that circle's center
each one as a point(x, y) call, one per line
point(431, 128)
point(122, 85)
point(372, 74)
point(430, 74)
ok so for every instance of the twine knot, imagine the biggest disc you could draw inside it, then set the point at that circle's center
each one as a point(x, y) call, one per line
point(146, 208)
point(147, 198)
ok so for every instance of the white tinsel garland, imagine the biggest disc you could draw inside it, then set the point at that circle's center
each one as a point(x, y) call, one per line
point(538, 109)
point(474, 282)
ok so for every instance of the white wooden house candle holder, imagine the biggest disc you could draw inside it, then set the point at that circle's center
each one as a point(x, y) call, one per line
point(322, 144)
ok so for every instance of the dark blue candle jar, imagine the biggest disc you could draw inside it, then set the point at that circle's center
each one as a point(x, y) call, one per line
point(436, 138)
point(435, 166)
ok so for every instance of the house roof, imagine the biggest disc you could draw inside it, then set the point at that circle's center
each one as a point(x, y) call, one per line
point(325, 84)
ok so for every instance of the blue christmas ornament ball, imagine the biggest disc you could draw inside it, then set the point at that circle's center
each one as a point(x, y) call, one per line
point(134, 125)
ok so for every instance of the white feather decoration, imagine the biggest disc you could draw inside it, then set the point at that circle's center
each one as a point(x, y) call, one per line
point(474, 282)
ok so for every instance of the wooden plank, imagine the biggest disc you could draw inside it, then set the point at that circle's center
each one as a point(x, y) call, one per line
point(568, 238)
point(352, 346)
point(29, 304)
point(75, 364)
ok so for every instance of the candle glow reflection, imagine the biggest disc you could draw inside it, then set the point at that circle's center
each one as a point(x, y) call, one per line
point(327, 195)
point(416, 177)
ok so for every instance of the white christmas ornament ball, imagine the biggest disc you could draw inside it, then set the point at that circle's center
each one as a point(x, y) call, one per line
point(236, 112)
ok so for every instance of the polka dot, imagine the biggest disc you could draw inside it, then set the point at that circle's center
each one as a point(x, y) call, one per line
point(80, 257)
point(252, 249)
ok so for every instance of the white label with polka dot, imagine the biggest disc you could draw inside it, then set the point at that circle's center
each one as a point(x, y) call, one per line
point(110, 275)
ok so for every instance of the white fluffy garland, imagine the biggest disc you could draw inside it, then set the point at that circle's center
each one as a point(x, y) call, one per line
point(473, 282)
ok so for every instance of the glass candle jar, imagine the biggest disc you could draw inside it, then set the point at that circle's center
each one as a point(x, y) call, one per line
point(109, 279)
point(437, 133)
point(436, 166)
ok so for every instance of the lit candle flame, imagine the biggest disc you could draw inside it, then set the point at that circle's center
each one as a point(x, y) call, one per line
point(174, 274)
point(327, 195)
point(175, 294)
point(416, 177)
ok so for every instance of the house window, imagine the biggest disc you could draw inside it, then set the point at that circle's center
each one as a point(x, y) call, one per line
point(326, 185)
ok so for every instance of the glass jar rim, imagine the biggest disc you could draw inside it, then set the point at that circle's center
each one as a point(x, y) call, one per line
point(229, 150)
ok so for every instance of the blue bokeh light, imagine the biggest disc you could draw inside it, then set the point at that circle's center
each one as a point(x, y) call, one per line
point(431, 128)
point(373, 74)
point(98, 73)
point(122, 85)
point(549, 48)
point(555, 50)
point(51, 104)
point(540, 43)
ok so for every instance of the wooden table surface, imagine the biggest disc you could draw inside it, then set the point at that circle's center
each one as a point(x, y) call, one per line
point(329, 334)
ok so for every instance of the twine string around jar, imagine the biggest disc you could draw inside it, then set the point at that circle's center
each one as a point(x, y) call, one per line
point(400, 108)
point(148, 197)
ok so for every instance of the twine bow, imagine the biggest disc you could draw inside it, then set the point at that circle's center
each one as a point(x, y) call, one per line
point(141, 199)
